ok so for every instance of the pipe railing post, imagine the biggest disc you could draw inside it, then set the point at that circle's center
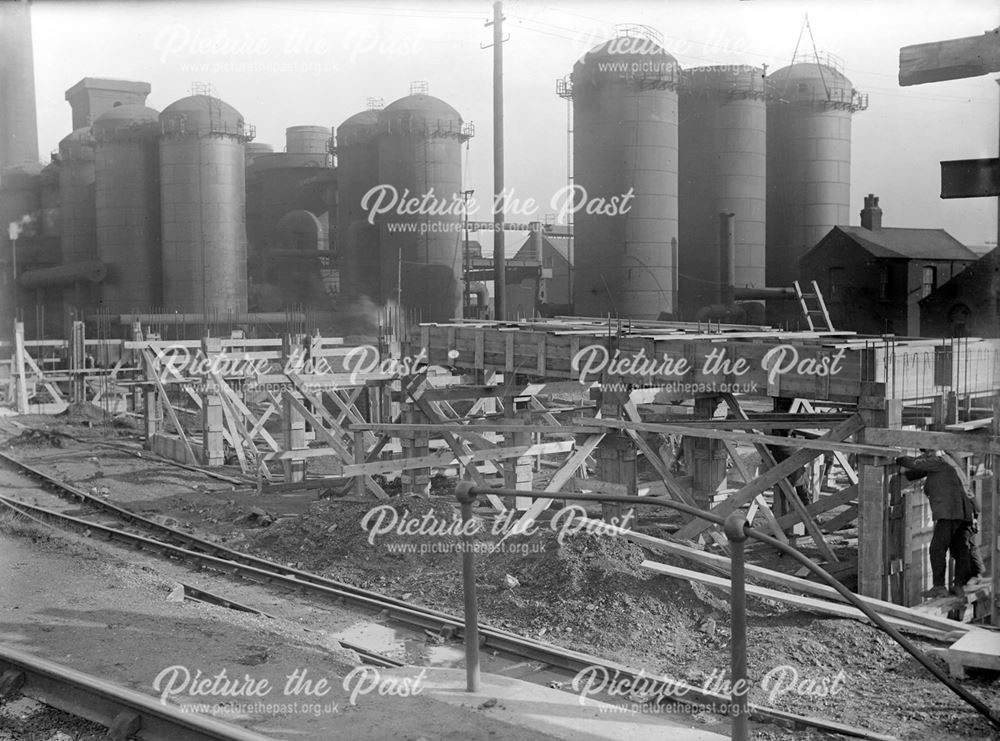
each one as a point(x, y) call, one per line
point(466, 497)
point(735, 529)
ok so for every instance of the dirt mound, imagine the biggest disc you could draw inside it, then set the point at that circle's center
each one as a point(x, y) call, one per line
point(35, 437)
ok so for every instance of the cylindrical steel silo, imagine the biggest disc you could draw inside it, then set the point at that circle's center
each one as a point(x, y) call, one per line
point(308, 140)
point(808, 160)
point(625, 143)
point(78, 215)
point(723, 161)
point(420, 157)
point(202, 197)
point(255, 148)
point(127, 173)
point(356, 240)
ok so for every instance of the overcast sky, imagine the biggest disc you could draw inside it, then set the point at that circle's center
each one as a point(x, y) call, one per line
point(301, 62)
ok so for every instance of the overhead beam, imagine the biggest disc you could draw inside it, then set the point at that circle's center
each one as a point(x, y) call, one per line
point(953, 59)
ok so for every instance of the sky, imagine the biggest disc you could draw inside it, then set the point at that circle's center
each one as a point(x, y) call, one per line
point(299, 62)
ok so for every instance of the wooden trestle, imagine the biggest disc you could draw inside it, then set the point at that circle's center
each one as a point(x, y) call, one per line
point(582, 404)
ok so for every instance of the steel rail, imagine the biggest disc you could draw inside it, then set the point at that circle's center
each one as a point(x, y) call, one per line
point(263, 571)
point(122, 711)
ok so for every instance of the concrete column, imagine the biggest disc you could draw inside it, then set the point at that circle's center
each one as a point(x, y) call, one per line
point(617, 464)
point(78, 362)
point(707, 458)
point(517, 472)
point(212, 449)
point(415, 481)
point(294, 432)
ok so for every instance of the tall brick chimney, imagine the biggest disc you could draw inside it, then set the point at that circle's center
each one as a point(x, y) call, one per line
point(871, 214)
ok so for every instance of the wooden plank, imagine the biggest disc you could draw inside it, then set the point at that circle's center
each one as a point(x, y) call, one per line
point(844, 518)
point(952, 59)
point(798, 602)
point(771, 477)
point(845, 496)
point(463, 452)
point(163, 399)
point(980, 650)
point(723, 565)
point(759, 502)
point(951, 441)
point(447, 459)
point(820, 445)
point(342, 452)
point(559, 479)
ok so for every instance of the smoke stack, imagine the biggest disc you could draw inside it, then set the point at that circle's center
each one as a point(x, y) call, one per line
point(871, 214)
point(18, 119)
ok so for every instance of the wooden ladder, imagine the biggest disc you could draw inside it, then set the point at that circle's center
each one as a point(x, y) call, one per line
point(817, 318)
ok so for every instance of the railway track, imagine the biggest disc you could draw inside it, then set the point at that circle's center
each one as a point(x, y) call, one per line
point(199, 553)
point(122, 711)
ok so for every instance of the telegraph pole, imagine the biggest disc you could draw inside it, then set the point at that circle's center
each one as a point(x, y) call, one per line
point(499, 258)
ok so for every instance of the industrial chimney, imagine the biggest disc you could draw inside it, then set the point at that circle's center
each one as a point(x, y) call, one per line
point(18, 126)
point(871, 214)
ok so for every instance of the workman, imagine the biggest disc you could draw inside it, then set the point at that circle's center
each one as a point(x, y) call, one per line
point(955, 515)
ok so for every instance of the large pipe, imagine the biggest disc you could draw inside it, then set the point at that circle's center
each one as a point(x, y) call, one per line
point(727, 257)
point(763, 294)
point(264, 317)
point(88, 271)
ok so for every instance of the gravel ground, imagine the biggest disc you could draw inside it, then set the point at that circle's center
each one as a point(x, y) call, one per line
point(586, 593)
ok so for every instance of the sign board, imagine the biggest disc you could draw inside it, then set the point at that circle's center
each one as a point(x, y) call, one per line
point(970, 178)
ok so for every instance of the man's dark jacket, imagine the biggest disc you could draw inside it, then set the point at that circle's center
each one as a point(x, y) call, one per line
point(943, 487)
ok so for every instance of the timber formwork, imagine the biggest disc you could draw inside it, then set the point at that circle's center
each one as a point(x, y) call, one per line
point(589, 404)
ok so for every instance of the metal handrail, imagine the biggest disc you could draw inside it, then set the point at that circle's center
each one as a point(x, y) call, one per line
point(737, 531)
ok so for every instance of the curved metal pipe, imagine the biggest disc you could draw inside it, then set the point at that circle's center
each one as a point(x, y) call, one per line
point(88, 271)
point(977, 704)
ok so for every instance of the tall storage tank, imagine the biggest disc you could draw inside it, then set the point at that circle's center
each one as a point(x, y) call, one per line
point(202, 197)
point(723, 162)
point(78, 216)
point(127, 173)
point(309, 140)
point(420, 151)
point(356, 240)
point(625, 139)
point(808, 159)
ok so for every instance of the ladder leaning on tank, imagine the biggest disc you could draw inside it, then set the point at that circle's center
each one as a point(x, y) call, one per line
point(817, 318)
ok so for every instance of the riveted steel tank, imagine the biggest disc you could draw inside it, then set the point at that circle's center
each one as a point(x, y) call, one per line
point(808, 159)
point(309, 140)
point(625, 143)
point(127, 171)
point(78, 215)
point(420, 157)
point(19, 202)
point(252, 149)
point(357, 240)
point(723, 163)
point(202, 198)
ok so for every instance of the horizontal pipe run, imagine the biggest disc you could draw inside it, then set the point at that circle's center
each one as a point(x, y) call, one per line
point(751, 294)
point(265, 317)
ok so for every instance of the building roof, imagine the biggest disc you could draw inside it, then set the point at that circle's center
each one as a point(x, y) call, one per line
point(907, 244)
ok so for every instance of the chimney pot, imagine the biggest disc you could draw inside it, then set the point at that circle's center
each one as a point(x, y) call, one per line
point(871, 214)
